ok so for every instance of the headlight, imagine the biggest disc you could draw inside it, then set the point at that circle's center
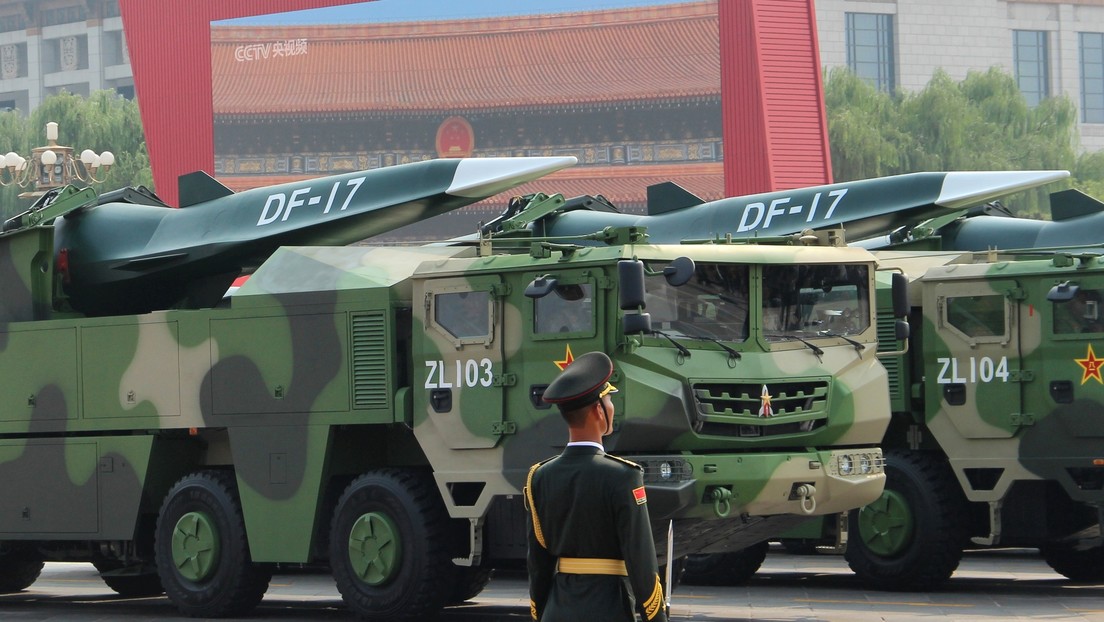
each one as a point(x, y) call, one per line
point(865, 465)
point(846, 464)
point(665, 470)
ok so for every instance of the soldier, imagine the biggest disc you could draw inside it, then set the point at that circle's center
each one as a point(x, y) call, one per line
point(591, 553)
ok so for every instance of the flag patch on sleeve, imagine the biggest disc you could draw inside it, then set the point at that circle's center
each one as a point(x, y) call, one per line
point(640, 496)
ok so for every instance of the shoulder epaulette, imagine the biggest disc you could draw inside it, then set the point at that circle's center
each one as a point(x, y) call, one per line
point(624, 461)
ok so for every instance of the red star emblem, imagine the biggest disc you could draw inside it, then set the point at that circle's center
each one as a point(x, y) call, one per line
point(1091, 365)
point(569, 357)
point(765, 409)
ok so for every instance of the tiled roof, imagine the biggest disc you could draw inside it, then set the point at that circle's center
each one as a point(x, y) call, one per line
point(623, 55)
point(622, 185)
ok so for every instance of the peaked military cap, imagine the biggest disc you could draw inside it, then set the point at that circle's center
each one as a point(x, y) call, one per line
point(585, 381)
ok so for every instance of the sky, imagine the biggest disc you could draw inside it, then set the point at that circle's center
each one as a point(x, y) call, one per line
point(423, 10)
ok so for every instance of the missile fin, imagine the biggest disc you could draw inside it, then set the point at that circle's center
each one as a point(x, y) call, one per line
point(1072, 203)
point(669, 197)
point(199, 187)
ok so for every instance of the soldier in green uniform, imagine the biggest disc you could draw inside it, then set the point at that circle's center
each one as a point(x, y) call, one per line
point(591, 553)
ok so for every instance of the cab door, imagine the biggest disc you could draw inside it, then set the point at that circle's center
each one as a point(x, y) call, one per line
point(460, 377)
point(973, 361)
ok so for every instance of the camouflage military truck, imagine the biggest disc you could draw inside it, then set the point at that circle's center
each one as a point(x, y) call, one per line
point(375, 409)
point(997, 437)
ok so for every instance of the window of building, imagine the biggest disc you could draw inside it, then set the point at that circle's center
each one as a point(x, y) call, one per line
point(13, 22)
point(13, 61)
point(870, 49)
point(1092, 77)
point(65, 54)
point(1032, 61)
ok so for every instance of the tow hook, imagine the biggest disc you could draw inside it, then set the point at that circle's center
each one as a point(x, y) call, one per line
point(722, 503)
point(807, 494)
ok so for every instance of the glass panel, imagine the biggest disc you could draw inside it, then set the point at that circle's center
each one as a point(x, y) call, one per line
point(1081, 314)
point(1092, 70)
point(815, 301)
point(713, 305)
point(977, 316)
point(464, 314)
point(568, 309)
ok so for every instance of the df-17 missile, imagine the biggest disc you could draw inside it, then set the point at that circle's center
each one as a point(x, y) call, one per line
point(130, 253)
point(863, 208)
point(1077, 222)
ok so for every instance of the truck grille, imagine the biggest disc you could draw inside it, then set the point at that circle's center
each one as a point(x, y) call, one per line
point(738, 409)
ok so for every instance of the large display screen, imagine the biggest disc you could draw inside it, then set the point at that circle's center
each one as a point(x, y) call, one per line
point(632, 88)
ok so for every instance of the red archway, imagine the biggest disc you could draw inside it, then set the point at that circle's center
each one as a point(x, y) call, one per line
point(775, 132)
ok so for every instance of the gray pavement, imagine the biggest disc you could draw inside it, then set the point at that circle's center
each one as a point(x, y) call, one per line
point(996, 585)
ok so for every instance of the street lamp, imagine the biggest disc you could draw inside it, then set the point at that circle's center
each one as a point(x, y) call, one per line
point(53, 166)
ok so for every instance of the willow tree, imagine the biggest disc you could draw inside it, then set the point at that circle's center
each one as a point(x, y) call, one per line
point(102, 122)
point(980, 123)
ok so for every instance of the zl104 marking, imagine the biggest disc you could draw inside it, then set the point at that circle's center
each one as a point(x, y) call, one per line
point(972, 370)
point(283, 204)
point(467, 373)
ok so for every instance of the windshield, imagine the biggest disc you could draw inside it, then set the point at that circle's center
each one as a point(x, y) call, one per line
point(713, 304)
point(815, 300)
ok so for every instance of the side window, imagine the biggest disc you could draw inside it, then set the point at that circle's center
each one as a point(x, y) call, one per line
point(977, 316)
point(464, 315)
point(1080, 314)
point(568, 309)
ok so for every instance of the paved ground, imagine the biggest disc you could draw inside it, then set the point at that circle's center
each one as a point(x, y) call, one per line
point(988, 586)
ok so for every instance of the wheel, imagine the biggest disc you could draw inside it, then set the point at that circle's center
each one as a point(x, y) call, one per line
point(1082, 566)
point(468, 583)
point(129, 585)
point(733, 568)
point(18, 570)
point(201, 549)
point(389, 549)
point(912, 537)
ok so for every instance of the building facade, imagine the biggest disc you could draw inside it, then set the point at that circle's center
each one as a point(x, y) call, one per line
point(1050, 46)
point(48, 46)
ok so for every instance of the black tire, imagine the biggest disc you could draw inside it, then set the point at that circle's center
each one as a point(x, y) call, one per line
point(19, 569)
point(389, 547)
point(733, 568)
point(468, 584)
point(1081, 566)
point(912, 537)
point(129, 585)
point(212, 574)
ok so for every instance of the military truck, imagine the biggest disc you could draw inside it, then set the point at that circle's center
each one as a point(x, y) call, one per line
point(997, 436)
point(375, 409)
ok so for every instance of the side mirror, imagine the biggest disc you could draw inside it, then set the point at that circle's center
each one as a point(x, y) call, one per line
point(636, 323)
point(900, 295)
point(901, 330)
point(630, 274)
point(541, 287)
point(1063, 292)
point(679, 271)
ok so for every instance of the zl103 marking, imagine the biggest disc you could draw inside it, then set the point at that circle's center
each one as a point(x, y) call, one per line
point(467, 373)
point(972, 370)
point(283, 204)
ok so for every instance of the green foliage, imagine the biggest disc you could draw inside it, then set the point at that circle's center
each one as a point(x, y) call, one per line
point(980, 123)
point(102, 122)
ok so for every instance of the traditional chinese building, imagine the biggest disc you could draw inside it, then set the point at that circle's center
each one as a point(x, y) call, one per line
point(634, 94)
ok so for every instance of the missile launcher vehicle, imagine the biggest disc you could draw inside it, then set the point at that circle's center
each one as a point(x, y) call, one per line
point(375, 409)
point(997, 434)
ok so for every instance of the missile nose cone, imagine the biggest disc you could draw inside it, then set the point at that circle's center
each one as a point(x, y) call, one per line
point(484, 177)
